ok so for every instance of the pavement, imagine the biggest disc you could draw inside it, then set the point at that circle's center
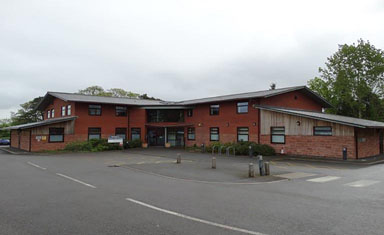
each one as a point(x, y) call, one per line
point(146, 192)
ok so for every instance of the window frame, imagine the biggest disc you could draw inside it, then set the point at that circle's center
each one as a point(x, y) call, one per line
point(210, 133)
point(211, 109)
point(242, 134)
point(48, 114)
point(191, 133)
point(137, 128)
point(237, 107)
point(69, 110)
point(49, 135)
point(89, 109)
point(189, 112)
point(121, 128)
point(277, 135)
point(123, 107)
point(63, 111)
point(314, 131)
point(52, 113)
point(89, 128)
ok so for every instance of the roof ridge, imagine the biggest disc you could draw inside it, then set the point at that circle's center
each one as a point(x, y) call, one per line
point(69, 93)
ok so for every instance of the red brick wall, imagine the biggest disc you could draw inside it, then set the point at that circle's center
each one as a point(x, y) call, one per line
point(14, 139)
point(319, 146)
point(228, 120)
point(24, 140)
point(56, 105)
point(288, 100)
point(45, 145)
point(368, 142)
point(137, 119)
point(108, 121)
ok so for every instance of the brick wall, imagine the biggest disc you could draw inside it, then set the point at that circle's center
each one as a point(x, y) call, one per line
point(319, 146)
point(368, 142)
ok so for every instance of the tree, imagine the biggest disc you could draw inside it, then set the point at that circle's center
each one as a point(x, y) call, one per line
point(27, 113)
point(4, 133)
point(117, 92)
point(353, 81)
point(113, 92)
point(94, 90)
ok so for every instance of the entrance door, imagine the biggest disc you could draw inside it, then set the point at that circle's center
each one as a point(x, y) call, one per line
point(156, 136)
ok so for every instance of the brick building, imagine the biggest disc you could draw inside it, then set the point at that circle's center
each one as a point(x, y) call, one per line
point(289, 119)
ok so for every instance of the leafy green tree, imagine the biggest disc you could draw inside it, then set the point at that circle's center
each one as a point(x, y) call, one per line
point(118, 92)
point(4, 133)
point(94, 90)
point(353, 81)
point(27, 113)
point(113, 92)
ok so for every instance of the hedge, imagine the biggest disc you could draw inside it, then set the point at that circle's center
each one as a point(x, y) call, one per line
point(242, 148)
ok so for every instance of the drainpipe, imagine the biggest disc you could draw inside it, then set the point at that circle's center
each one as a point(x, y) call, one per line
point(165, 135)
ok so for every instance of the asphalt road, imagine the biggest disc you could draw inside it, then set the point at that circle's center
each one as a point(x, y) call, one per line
point(80, 194)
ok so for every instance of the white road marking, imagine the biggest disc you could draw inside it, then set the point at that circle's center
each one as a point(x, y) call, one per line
point(77, 181)
point(35, 165)
point(362, 183)
point(324, 179)
point(295, 175)
point(195, 219)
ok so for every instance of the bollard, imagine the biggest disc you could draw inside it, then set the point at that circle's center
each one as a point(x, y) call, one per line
point(178, 161)
point(251, 171)
point(261, 165)
point(213, 163)
point(250, 151)
point(266, 166)
point(202, 148)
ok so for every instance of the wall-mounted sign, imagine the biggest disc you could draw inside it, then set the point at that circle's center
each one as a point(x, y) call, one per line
point(38, 138)
point(43, 138)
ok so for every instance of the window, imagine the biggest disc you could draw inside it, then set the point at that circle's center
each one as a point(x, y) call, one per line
point(52, 113)
point(191, 133)
point(214, 109)
point(121, 132)
point(94, 110)
point(94, 133)
point(322, 130)
point(165, 115)
point(69, 111)
point(63, 111)
point(242, 107)
point(49, 114)
point(190, 112)
point(121, 111)
point(214, 131)
point(278, 135)
point(242, 134)
point(56, 135)
point(135, 134)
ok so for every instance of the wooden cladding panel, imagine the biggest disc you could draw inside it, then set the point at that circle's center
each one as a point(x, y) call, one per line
point(44, 130)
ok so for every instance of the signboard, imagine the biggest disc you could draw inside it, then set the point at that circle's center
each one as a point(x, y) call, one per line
point(115, 140)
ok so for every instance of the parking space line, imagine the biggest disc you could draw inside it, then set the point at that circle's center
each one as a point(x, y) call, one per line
point(223, 226)
point(324, 179)
point(35, 165)
point(75, 180)
point(362, 183)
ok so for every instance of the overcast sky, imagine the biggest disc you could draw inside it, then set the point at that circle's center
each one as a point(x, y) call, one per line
point(173, 50)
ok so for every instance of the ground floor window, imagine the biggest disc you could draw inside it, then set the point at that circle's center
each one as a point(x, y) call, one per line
point(242, 134)
point(56, 135)
point(214, 134)
point(94, 133)
point(121, 132)
point(322, 130)
point(191, 133)
point(135, 134)
point(278, 135)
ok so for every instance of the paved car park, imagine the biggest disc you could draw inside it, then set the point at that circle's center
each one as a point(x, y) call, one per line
point(146, 192)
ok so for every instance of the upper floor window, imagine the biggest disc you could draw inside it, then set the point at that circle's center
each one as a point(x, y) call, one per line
point(190, 112)
point(242, 107)
point(52, 113)
point(278, 135)
point(56, 135)
point(214, 134)
point(165, 115)
point(49, 114)
point(214, 109)
point(121, 111)
point(69, 111)
point(322, 130)
point(63, 111)
point(94, 110)
point(191, 133)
